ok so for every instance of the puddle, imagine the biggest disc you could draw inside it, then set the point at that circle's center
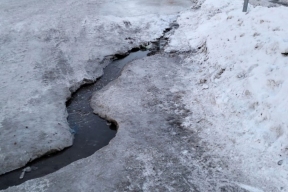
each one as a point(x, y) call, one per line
point(91, 132)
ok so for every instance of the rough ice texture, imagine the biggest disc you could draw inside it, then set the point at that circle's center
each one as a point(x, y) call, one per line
point(47, 48)
point(210, 119)
point(152, 150)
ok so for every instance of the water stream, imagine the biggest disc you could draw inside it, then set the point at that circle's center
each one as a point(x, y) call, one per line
point(91, 132)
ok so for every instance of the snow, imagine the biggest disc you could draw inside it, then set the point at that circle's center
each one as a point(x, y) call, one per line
point(46, 52)
point(209, 115)
point(247, 104)
point(268, 3)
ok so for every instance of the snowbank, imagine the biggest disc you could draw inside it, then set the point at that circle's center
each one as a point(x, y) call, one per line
point(241, 99)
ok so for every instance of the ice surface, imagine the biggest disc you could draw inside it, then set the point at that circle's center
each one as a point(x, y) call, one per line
point(152, 151)
point(212, 118)
point(49, 47)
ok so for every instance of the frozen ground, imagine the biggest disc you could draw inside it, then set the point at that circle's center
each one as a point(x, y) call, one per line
point(51, 47)
point(209, 115)
point(151, 151)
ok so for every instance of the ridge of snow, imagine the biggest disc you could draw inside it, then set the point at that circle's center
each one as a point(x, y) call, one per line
point(244, 102)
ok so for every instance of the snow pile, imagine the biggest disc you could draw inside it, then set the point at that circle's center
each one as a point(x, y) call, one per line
point(240, 101)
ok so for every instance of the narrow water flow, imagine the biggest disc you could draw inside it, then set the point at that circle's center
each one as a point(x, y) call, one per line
point(91, 132)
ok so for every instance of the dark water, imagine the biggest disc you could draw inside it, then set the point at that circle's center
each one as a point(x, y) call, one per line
point(91, 132)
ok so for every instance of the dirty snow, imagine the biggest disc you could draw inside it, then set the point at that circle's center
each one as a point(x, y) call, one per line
point(48, 50)
point(245, 106)
point(211, 118)
point(269, 3)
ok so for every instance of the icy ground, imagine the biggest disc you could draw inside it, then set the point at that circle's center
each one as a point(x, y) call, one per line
point(209, 115)
point(48, 49)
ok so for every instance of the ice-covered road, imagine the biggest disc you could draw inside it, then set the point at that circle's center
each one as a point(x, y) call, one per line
point(49, 47)
point(209, 115)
